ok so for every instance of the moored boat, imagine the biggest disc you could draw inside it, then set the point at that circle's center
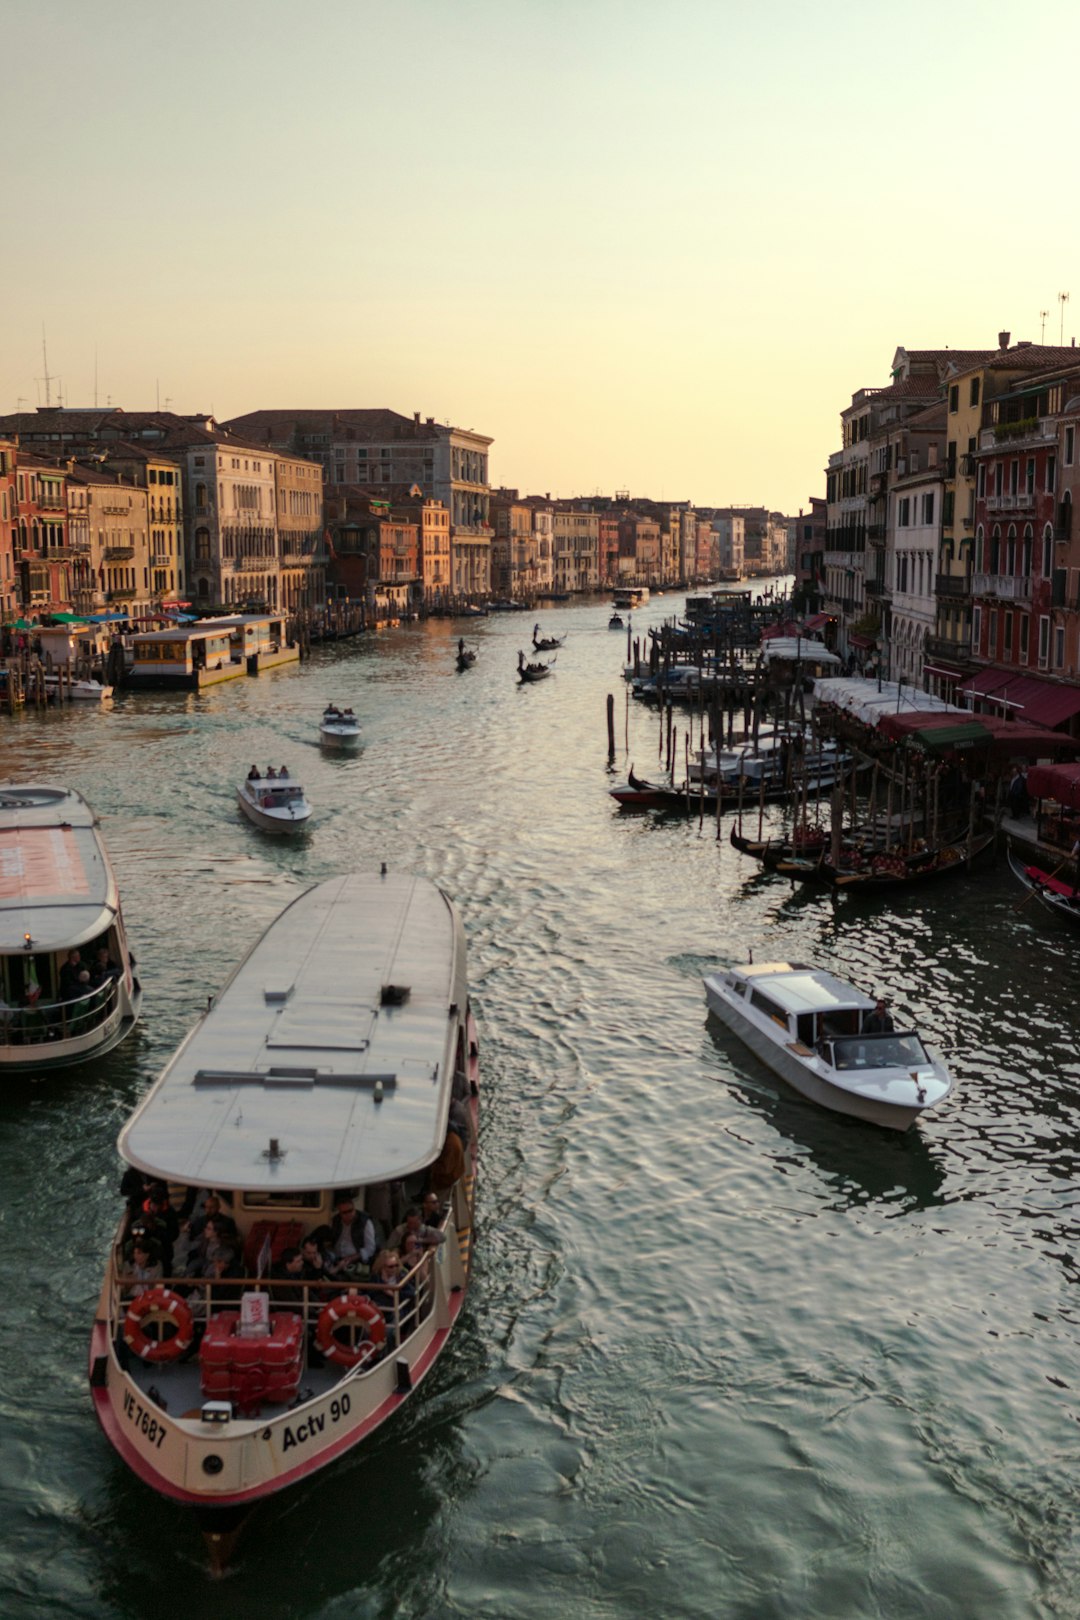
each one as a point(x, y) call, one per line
point(333, 1071)
point(825, 1038)
point(338, 728)
point(274, 803)
point(1055, 893)
point(68, 989)
point(875, 869)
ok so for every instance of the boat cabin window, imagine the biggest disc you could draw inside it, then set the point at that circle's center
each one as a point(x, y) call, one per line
point(844, 1021)
point(880, 1052)
point(771, 1009)
point(281, 1200)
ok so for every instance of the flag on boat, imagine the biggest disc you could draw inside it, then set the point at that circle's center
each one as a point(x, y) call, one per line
point(265, 1255)
point(33, 988)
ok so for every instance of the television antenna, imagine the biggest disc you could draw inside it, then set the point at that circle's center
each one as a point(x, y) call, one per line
point(1063, 299)
point(1043, 313)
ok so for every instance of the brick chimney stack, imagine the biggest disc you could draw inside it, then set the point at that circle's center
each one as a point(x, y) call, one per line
point(1003, 339)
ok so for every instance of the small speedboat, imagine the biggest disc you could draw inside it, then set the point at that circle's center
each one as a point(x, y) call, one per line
point(824, 1038)
point(82, 691)
point(274, 803)
point(339, 728)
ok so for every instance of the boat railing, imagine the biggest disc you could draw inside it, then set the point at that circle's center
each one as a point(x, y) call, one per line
point(403, 1305)
point(42, 1021)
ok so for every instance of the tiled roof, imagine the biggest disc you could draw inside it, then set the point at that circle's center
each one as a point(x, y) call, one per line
point(366, 425)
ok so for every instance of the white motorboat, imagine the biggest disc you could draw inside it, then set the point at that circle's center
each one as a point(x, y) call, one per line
point(81, 691)
point(274, 803)
point(327, 1071)
point(810, 1027)
point(339, 728)
point(68, 990)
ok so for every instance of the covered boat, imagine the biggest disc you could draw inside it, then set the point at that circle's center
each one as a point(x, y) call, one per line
point(337, 1069)
point(824, 1038)
point(274, 803)
point(68, 989)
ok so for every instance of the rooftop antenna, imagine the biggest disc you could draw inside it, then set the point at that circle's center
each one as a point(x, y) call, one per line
point(1043, 313)
point(1063, 299)
point(45, 358)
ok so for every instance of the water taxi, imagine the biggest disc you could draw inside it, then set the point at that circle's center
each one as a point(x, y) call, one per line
point(627, 599)
point(824, 1038)
point(338, 728)
point(274, 803)
point(68, 989)
point(336, 1066)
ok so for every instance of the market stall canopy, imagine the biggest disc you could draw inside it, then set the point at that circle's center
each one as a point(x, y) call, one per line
point(1060, 782)
point(868, 699)
point(799, 649)
point(1024, 697)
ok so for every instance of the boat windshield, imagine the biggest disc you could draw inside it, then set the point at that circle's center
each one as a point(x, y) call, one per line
point(880, 1052)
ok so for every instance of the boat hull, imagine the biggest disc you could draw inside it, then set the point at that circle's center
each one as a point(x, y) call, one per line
point(339, 736)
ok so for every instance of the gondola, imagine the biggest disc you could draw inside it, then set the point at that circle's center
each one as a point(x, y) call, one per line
point(805, 844)
point(638, 794)
point(466, 656)
point(1056, 894)
point(888, 869)
point(532, 672)
point(545, 643)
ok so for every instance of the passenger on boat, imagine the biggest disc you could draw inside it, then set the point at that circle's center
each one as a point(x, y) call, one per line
point(220, 1241)
point(414, 1226)
point(349, 715)
point(396, 1299)
point(287, 1277)
point(254, 775)
point(460, 1122)
point(314, 1258)
point(448, 1167)
point(145, 1269)
point(433, 1209)
point(271, 774)
point(69, 976)
point(352, 1240)
point(878, 1022)
point(283, 771)
point(158, 1220)
point(104, 968)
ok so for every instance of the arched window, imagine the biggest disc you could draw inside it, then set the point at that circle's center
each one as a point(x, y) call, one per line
point(995, 551)
point(980, 560)
point(1010, 561)
point(1029, 545)
point(1048, 551)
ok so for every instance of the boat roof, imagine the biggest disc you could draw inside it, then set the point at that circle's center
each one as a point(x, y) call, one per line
point(56, 883)
point(359, 980)
point(801, 989)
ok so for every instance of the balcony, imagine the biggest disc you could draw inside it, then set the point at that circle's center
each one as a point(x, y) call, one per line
point(1023, 501)
point(251, 565)
point(968, 465)
point(1005, 587)
point(944, 647)
point(118, 553)
point(122, 593)
point(1018, 435)
point(875, 532)
point(955, 586)
point(160, 559)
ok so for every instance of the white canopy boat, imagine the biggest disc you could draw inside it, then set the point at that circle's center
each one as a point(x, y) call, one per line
point(80, 691)
point(339, 728)
point(274, 803)
point(332, 1062)
point(68, 991)
point(810, 1027)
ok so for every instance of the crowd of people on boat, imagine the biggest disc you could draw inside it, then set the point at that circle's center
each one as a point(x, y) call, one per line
point(332, 712)
point(189, 1238)
point(272, 775)
point(59, 997)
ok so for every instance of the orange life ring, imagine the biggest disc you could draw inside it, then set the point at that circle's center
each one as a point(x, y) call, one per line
point(349, 1310)
point(163, 1305)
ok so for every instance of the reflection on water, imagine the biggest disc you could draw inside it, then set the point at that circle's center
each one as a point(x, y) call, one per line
point(726, 1354)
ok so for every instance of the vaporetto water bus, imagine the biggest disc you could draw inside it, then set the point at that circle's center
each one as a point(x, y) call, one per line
point(68, 990)
point(338, 1067)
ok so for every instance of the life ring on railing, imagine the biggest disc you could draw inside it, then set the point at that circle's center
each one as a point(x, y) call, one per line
point(161, 1305)
point(349, 1310)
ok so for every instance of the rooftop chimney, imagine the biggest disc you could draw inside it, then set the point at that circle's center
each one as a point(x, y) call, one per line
point(416, 417)
point(1003, 339)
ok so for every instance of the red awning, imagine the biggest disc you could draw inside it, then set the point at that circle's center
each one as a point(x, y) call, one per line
point(817, 621)
point(1060, 782)
point(855, 640)
point(1025, 697)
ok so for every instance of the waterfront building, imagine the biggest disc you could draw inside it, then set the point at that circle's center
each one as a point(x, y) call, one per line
point(108, 542)
point(43, 559)
point(730, 531)
point(706, 551)
point(514, 562)
point(915, 507)
point(159, 476)
point(374, 553)
point(639, 550)
point(432, 521)
point(298, 487)
point(381, 449)
point(543, 522)
point(808, 558)
point(9, 532)
point(577, 540)
point(607, 547)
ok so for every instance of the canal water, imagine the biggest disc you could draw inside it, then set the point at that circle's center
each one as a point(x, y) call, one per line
point(725, 1355)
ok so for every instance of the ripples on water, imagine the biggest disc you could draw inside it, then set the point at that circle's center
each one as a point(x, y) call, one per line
point(725, 1355)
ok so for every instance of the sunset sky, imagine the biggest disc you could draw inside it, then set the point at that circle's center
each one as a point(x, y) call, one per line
point(643, 245)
